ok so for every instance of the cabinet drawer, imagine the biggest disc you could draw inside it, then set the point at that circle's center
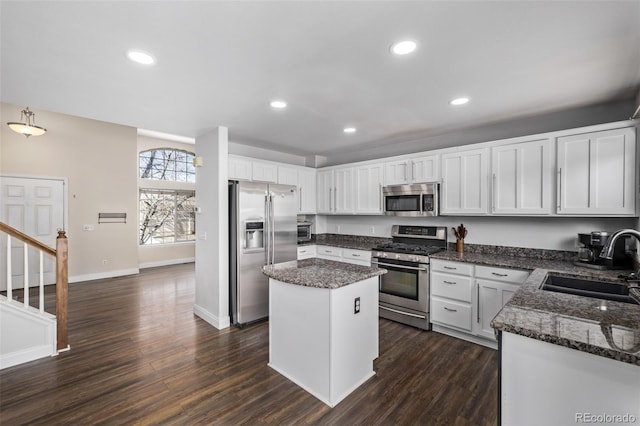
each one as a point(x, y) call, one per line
point(515, 276)
point(359, 255)
point(451, 267)
point(306, 252)
point(452, 286)
point(329, 251)
point(448, 312)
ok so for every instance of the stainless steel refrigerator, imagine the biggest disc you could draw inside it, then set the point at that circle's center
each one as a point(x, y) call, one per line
point(262, 230)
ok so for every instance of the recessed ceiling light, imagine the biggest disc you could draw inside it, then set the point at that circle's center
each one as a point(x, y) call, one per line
point(403, 47)
point(459, 101)
point(349, 130)
point(140, 57)
point(279, 104)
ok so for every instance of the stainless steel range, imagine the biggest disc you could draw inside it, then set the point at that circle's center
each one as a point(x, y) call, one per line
point(404, 290)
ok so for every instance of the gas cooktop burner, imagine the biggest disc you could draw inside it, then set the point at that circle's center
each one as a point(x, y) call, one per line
point(423, 250)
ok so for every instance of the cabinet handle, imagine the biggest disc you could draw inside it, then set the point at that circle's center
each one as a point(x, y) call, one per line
point(450, 310)
point(335, 199)
point(405, 170)
point(493, 193)
point(449, 282)
point(478, 303)
point(559, 195)
point(355, 255)
point(413, 171)
point(300, 197)
point(499, 275)
point(330, 192)
point(450, 267)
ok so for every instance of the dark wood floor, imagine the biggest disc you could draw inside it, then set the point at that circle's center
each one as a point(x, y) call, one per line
point(139, 356)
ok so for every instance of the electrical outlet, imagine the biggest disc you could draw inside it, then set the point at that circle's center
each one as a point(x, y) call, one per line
point(372, 230)
point(356, 305)
point(338, 228)
point(105, 261)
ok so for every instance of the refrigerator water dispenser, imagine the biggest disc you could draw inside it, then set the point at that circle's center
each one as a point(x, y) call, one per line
point(254, 235)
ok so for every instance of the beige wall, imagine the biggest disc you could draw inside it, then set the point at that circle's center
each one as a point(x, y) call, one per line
point(99, 161)
point(149, 256)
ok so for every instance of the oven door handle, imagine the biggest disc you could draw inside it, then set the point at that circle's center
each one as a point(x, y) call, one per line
point(402, 312)
point(413, 268)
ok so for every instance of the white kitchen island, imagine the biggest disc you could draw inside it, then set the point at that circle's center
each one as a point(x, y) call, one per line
point(323, 325)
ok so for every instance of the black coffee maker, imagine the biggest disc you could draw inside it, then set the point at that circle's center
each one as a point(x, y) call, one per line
point(592, 244)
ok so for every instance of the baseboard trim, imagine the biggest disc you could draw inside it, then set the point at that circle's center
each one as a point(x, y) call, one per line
point(211, 318)
point(27, 355)
point(103, 275)
point(464, 336)
point(166, 262)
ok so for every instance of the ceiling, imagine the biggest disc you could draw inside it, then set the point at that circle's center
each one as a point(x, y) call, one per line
point(222, 62)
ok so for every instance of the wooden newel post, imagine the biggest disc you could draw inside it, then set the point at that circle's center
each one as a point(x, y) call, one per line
point(62, 289)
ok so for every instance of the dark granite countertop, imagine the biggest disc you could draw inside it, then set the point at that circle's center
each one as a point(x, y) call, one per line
point(320, 273)
point(356, 242)
point(600, 327)
point(559, 264)
point(604, 328)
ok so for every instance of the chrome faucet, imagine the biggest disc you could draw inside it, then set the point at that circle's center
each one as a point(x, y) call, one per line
point(607, 253)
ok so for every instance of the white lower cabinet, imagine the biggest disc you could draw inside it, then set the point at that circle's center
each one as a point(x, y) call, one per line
point(465, 298)
point(306, 252)
point(357, 257)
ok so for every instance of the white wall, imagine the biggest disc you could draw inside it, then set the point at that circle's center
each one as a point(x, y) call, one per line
point(99, 160)
point(236, 148)
point(531, 232)
point(443, 138)
point(212, 223)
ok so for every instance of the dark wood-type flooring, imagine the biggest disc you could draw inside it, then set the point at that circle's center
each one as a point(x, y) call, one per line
point(140, 356)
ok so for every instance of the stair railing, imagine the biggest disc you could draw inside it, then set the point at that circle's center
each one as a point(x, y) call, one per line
point(61, 254)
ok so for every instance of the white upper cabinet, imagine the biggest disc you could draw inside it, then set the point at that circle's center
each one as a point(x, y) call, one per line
point(417, 170)
point(307, 190)
point(521, 176)
point(287, 175)
point(239, 168)
point(368, 188)
point(264, 172)
point(464, 183)
point(324, 192)
point(343, 191)
point(596, 173)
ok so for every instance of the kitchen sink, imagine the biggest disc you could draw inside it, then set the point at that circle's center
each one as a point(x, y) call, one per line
point(588, 288)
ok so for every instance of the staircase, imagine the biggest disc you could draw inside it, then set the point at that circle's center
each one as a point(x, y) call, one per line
point(27, 331)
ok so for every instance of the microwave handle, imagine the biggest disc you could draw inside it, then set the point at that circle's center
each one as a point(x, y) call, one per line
point(421, 204)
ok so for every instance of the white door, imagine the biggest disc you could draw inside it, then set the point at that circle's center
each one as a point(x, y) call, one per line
point(36, 208)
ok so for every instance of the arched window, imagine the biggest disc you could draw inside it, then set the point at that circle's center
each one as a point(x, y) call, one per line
point(167, 210)
point(167, 164)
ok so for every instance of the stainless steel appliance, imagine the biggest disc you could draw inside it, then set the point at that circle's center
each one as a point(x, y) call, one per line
point(404, 289)
point(420, 199)
point(592, 244)
point(262, 230)
point(304, 231)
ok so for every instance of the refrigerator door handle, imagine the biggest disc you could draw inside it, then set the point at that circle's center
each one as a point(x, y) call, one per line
point(266, 229)
point(272, 225)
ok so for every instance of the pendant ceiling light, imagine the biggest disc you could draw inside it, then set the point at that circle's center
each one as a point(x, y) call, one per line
point(29, 127)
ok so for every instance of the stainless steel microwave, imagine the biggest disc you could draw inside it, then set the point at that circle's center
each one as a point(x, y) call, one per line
point(420, 199)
